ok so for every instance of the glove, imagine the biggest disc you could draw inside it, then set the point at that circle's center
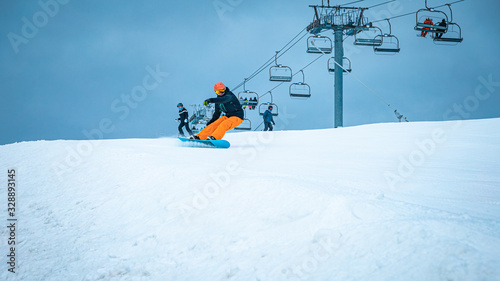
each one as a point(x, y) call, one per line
point(274, 123)
point(206, 102)
point(185, 120)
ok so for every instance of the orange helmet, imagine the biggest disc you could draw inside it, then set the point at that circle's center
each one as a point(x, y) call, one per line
point(219, 86)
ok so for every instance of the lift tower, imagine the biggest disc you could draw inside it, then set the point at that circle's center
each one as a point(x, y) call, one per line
point(342, 21)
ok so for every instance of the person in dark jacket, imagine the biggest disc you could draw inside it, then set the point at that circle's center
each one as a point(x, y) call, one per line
point(225, 102)
point(268, 119)
point(183, 118)
point(443, 24)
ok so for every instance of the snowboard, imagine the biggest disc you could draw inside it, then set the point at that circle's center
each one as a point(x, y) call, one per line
point(206, 143)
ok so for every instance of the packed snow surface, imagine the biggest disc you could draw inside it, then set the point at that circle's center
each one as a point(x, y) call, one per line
point(398, 201)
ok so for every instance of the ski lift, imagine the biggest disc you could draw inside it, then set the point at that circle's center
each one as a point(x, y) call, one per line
point(317, 44)
point(264, 106)
point(248, 98)
point(369, 36)
point(280, 72)
point(346, 64)
point(435, 16)
point(453, 35)
point(300, 89)
point(246, 125)
point(201, 114)
point(390, 43)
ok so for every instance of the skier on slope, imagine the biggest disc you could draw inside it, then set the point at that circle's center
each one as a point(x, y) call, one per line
point(268, 119)
point(183, 118)
point(225, 102)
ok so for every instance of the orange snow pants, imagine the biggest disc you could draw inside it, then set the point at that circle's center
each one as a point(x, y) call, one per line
point(219, 127)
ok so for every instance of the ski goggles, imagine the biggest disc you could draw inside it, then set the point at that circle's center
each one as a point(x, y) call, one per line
point(218, 92)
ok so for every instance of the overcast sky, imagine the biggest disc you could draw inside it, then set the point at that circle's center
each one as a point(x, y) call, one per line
point(117, 69)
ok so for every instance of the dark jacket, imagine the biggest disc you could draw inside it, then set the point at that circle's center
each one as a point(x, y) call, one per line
point(268, 116)
point(229, 104)
point(443, 24)
point(183, 115)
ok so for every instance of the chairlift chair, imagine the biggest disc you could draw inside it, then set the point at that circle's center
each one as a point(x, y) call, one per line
point(436, 16)
point(264, 106)
point(253, 100)
point(358, 29)
point(368, 37)
point(346, 64)
point(452, 37)
point(248, 98)
point(280, 72)
point(317, 44)
point(201, 114)
point(246, 125)
point(300, 89)
point(390, 43)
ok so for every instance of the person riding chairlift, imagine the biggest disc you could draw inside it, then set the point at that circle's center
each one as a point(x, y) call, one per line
point(428, 21)
point(443, 24)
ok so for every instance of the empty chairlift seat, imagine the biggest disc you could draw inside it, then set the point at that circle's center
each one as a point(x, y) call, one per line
point(390, 45)
point(280, 73)
point(264, 106)
point(246, 125)
point(300, 89)
point(319, 44)
point(346, 64)
point(369, 36)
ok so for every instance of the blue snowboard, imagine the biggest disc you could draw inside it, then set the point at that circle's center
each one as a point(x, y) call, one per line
point(207, 143)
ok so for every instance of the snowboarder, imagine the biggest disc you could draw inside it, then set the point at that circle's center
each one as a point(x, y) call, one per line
point(183, 118)
point(268, 119)
point(225, 102)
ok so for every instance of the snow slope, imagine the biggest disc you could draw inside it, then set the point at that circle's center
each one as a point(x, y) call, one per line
point(399, 201)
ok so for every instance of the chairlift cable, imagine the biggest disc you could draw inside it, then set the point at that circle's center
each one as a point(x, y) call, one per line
point(411, 13)
point(361, 82)
point(259, 126)
point(276, 57)
point(274, 88)
point(352, 2)
point(387, 2)
point(271, 60)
